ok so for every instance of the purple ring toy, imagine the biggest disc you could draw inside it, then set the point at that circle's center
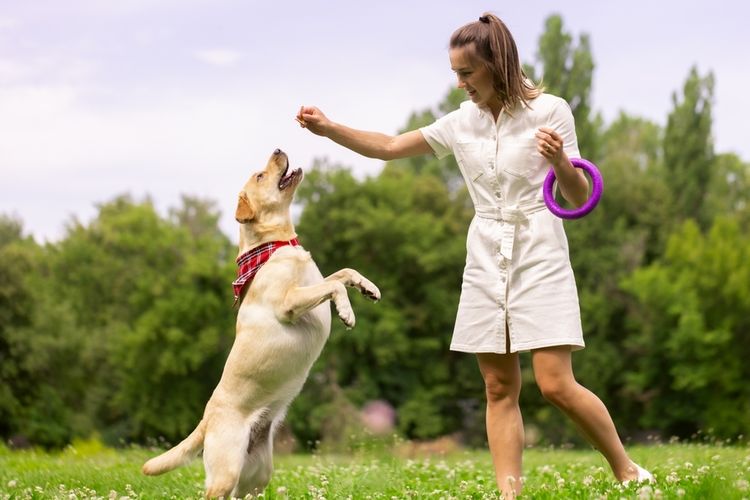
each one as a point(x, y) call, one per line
point(596, 192)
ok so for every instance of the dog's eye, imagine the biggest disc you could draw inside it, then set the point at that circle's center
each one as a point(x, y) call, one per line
point(259, 177)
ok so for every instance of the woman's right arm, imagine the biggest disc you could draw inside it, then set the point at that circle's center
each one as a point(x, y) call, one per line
point(370, 144)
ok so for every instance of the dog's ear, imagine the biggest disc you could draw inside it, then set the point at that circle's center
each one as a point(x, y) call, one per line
point(245, 212)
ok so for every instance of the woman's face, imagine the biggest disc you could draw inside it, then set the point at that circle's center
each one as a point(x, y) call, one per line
point(473, 76)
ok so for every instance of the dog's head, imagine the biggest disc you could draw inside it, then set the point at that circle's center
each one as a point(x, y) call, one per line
point(267, 195)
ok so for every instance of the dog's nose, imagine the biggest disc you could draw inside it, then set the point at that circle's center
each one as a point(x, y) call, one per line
point(277, 151)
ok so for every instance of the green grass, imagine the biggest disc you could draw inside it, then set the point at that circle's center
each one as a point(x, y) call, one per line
point(688, 471)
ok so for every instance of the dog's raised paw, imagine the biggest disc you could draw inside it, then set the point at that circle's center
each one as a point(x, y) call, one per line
point(369, 290)
point(347, 317)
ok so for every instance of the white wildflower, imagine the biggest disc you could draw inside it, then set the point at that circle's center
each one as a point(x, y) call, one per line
point(645, 493)
point(12, 483)
point(742, 484)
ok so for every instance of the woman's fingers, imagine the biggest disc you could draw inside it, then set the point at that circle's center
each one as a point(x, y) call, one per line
point(304, 114)
point(548, 142)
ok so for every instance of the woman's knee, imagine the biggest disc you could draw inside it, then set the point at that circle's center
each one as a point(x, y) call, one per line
point(502, 376)
point(557, 391)
point(499, 388)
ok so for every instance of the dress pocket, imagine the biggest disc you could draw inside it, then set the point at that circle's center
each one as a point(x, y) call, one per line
point(519, 157)
point(469, 159)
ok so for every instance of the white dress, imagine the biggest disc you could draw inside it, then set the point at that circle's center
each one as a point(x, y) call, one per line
point(518, 271)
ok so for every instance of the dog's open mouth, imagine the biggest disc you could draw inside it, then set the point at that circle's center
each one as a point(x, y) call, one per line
point(287, 177)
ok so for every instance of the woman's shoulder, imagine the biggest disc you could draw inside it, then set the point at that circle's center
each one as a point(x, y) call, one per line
point(467, 110)
point(547, 101)
point(467, 107)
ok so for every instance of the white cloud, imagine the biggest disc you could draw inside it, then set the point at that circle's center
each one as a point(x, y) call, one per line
point(8, 22)
point(12, 71)
point(218, 57)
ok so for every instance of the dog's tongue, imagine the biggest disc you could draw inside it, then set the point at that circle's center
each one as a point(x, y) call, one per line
point(286, 178)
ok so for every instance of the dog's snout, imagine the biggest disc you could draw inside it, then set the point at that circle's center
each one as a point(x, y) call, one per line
point(277, 151)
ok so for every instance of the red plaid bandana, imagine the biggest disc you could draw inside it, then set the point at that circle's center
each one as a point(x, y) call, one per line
point(250, 262)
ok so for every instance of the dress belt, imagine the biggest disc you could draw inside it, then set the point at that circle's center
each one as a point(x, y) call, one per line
point(512, 215)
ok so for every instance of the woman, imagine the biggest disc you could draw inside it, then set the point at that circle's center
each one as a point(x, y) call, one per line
point(518, 291)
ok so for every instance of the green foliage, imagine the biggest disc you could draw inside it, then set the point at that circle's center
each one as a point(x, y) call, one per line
point(688, 147)
point(690, 332)
point(110, 321)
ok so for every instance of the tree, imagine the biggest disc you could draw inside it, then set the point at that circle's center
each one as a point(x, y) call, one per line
point(729, 189)
point(151, 298)
point(689, 333)
point(16, 306)
point(37, 346)
point(688, 147)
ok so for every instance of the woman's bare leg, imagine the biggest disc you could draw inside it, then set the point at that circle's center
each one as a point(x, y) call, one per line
point(553, 370)
point(502, 380)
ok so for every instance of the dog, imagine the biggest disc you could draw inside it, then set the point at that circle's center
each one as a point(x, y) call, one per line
point(283, 323)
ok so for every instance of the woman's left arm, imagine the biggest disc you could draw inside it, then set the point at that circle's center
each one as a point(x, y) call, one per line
point(571, 181)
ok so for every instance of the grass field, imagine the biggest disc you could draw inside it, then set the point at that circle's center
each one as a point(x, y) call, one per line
point(690, 471)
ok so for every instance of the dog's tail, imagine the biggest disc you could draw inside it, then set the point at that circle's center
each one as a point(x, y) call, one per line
point(181, 454)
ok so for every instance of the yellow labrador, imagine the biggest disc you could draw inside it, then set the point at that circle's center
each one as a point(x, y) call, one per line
point(282, 324)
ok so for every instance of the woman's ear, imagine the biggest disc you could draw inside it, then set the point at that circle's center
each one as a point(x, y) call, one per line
point(245, 212)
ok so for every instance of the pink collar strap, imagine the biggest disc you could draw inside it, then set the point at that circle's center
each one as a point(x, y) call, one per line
point(250, 262)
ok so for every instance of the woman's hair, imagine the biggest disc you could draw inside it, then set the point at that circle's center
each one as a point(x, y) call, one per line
point(494, 46)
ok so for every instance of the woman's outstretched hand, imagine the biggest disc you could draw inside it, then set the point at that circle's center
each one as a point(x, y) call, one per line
point(313, 119)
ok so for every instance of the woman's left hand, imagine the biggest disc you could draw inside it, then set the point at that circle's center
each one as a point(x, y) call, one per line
point(550, 145)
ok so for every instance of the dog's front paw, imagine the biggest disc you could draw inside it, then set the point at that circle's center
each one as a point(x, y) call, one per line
point(347, 316)
point(369, 290)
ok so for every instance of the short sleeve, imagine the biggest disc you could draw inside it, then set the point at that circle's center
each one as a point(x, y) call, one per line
point(561, 121)
point(440, 134)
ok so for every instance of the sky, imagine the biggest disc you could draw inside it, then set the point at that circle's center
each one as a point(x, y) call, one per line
point(159, 98)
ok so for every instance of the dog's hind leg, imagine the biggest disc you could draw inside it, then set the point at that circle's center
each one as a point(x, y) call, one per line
point(258, 467)
point(224, 452)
